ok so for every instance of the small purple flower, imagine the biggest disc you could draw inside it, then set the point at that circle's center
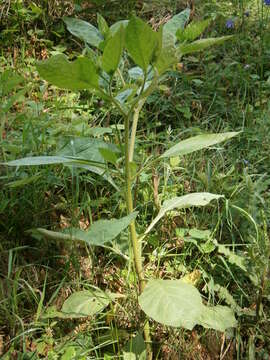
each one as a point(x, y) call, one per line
point(230, 23)
point(267, 2)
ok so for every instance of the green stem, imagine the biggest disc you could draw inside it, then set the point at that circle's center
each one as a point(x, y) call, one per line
point(134, 129)
point(136, 244)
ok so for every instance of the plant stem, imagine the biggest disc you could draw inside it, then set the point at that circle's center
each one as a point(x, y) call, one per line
point(136, 244)
point(134, 129)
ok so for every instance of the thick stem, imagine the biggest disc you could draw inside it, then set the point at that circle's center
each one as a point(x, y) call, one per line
point(136, 243)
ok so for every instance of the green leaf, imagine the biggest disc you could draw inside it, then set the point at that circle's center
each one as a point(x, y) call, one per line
point(84, 31)
point(102, 25)
point(113, 51)
point(100, 232)
point(233, 258)
point(201, 44)
point(116, 26)
point(172, 302)
point(192, 31)
point(197, 143)
point(76, 75)
point(166, 59)
point(217, 317)
point(170, 28)
point(141, 42)
point(193, 199)
point(109, 156)
point(85, 303)
point(39, 160)
point(9, 81)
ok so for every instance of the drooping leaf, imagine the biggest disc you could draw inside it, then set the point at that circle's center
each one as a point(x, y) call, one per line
point(113, 51)
point(217, 317)
point(73, 75)
point(40, 160)
point(233, 258)
point(89, 149)
point(84, 31)
point(189, 200)
point(85, 303)
point(192, 31)
point(141, 42)
point(170, 28)
point(100, 232)
point(197, 143)
point(201, 44)
point(172, 302)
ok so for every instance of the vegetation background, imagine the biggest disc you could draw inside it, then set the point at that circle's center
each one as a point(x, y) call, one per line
point(222, 89)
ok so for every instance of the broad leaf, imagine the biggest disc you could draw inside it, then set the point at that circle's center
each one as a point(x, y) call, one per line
point(201, 44)
point(100, 232)
point(76, 75)
point(85, 303)
point(141, 42)
point(193, 199)
point(217, 317)
point(172, 302)
point(113, 51)
point(197, 143)
point(192, 31)
point(170, 28)
point(84, 31)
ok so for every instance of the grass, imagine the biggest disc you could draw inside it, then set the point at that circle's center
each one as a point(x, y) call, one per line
point(213, 92)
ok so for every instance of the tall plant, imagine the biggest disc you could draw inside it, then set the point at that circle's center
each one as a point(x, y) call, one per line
point(103, 71)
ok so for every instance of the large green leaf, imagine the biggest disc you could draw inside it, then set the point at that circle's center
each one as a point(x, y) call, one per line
point(193, 199)
point(172, 302)
point(201, 44)
point(76, 75)
point(197, 143)
point(84, 31)
point(170, 28)
point(217, 317)
point(113, 51)
point(192, 31)
point(179, 304)
point(100, 232)
point(85, 303)
point(141, 42)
